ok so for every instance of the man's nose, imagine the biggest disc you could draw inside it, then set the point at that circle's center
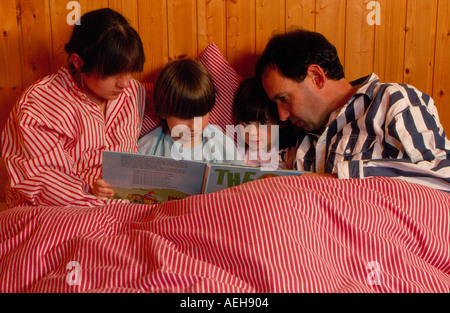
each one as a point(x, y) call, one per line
point(283, 113)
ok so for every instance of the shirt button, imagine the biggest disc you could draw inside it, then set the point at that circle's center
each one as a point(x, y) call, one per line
point(348, 151)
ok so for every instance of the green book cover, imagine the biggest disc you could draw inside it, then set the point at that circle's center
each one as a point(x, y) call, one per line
point(222, 176)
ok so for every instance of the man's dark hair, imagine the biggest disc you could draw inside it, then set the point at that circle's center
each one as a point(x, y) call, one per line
point(291, 53)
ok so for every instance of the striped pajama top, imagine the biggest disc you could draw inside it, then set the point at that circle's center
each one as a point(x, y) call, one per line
point(54, 136)
point(385, 129)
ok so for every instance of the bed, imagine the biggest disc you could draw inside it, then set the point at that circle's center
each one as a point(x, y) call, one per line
point(278, 235)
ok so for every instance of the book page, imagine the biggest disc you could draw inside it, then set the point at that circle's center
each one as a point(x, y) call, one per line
point(151, 179)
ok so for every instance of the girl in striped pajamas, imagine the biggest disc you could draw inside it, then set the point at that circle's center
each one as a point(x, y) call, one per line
point(54, 137)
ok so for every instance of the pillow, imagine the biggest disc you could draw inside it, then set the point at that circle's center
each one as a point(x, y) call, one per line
point(150, 121)
point(226, 81)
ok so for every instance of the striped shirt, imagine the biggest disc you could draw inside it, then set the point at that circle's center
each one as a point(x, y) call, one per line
point(53, 139)
point(384, 130)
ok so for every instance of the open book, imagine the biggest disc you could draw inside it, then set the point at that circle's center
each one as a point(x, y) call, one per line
point(153, 180)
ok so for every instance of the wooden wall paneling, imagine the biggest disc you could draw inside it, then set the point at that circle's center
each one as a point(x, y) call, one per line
point(420, 44)
point(301, 14)
point(33, 46)
point(10, 65)
point(359, 40)
point(61, 30)
point(241, 36)
point(390, 41)
point(270, 19)
point(330, 21)
point(182, 28)
point(441, 85)
point(212, 24)
point(128, 8)
point(153, 32)
point(36, 46)
point(89, 5)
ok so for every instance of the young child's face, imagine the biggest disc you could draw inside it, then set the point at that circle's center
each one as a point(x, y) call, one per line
point(187, 131)
point(257, 137)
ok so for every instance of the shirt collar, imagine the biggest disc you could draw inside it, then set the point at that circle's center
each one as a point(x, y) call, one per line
point(71, 85)
point(365, 85)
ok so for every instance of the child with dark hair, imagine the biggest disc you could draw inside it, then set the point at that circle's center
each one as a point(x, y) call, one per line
point(53, 140)
point(261, 140)
point(184, 96)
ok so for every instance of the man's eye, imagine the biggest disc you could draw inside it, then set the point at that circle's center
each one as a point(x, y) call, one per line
point(282, 99)
point(262, 123)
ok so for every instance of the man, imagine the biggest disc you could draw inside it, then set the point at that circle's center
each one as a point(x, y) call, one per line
point(352, 129)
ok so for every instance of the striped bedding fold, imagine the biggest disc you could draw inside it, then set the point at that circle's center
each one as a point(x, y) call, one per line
point(277, 235)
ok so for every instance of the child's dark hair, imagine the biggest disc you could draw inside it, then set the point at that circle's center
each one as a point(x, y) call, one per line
point(107, 44)
point(184, 89)
point(251, 103)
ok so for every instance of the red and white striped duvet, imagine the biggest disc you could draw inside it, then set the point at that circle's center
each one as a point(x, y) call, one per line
point(287, 234)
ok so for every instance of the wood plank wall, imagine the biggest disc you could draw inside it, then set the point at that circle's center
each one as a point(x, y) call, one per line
point(411, 44)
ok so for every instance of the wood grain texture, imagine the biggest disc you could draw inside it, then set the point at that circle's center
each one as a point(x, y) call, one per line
point(390, 41)
point(410, 45)
point(420, 44)
point(153, 32)
point(270, 19)
point(35, 45)
point(212, 24)
point(301, 14)
point(330, 21)
point(182, 29)
point(10, 59)
point(359, 40)
point(241, 37)
point(441, 81)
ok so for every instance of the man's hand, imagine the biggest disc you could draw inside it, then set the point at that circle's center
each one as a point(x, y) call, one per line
point(101, 190)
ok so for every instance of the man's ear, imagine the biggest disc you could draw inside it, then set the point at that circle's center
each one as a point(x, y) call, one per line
point(317, 75)
point(76, 62)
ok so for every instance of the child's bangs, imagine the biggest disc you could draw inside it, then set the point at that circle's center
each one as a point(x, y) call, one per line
point(187, 104)
point(251, 113)
point(257, 110)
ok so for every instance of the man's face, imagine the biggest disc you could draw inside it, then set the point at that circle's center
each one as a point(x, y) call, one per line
point(298, 102)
